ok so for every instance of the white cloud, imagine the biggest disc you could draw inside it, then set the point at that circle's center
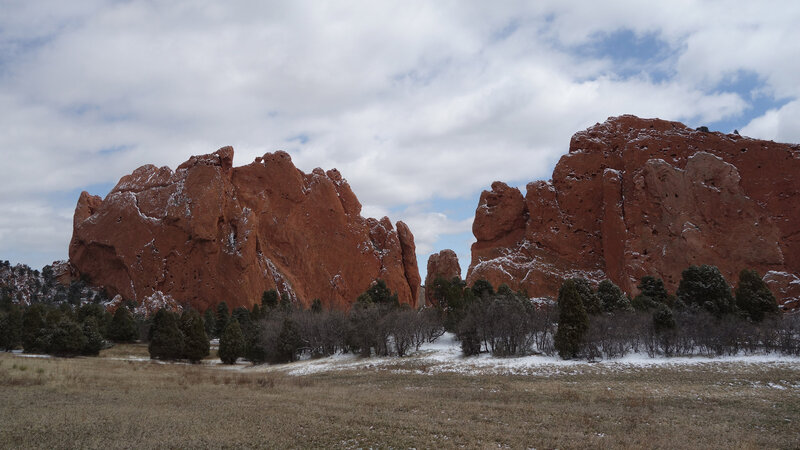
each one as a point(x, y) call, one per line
point(430, 226)
point(411, 101)
point(781, 125)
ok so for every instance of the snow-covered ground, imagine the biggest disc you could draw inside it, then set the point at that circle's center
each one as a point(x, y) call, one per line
point(444, 356)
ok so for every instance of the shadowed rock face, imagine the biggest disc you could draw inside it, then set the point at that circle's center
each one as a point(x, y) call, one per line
point(211, 232)
point(637, 197)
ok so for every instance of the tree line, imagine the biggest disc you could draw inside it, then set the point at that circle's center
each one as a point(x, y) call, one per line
point(704, 316)
point(279, 331)
point(64, 329)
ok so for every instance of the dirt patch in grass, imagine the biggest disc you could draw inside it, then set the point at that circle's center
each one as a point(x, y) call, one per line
point(107, 403)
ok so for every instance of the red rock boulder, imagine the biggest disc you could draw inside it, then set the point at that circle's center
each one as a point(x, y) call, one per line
point(637, 197)
point(210, 232)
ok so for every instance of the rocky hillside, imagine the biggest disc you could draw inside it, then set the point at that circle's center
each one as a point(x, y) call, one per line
point(637, 197)
point(210, 232)
point(23, 285)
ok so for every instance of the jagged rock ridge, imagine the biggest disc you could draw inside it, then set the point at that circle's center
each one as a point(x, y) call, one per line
point(210, 232)
point(637, 197)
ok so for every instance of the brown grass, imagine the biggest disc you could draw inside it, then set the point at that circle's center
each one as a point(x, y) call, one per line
point(105, 403)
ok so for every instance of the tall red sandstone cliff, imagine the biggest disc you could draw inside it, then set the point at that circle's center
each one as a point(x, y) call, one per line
point(637, 197)
point(211, 232)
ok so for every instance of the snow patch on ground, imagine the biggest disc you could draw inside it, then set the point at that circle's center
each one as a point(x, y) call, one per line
point(444, 356)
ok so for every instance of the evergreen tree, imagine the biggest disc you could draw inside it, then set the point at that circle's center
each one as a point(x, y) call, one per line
point(102, 317)
point(573, 322)
point(242, 315)
point(223, 316)
point(269, 300)
point(753, 297)
point(55, 315)
point(482, 289)
point(11, 328)
point(246, 324)
point(66, 338)
point(255, 314)
point(195, 344)
point(123, 327)
point(452, 298)
point(94, 340)
point(652, 293)
point(210, 323)
point(588, 297)
point(286, 302)
point(33, 322)
point(254, 349)
point(166, 339)
point(705, 287)
point(663, 318)
point(612, 298)
point(379, 294)
point(316, 305)
point(231, 343)
point(289, 341)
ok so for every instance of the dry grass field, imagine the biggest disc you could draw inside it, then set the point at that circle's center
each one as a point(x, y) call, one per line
point(110, 403)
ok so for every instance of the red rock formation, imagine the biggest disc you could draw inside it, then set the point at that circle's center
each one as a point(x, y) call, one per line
point(639, 197)
point(211, 232)
point(441, 265)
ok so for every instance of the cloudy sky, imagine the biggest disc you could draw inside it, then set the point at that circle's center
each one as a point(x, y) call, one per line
point(420, 105)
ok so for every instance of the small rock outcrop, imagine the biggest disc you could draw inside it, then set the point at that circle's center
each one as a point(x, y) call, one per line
point(210, 232)
point(441, 265)
point(637, 197)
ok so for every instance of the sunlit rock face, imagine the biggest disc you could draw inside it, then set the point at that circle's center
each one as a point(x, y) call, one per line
point(210, 232)
point(637, 197)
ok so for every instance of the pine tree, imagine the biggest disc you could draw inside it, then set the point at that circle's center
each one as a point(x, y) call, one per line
point(663, 318)
point(611, 297)
point(482, 289)
point(269, 300)
point(286, 302)
point(705, 287)
point(223, 316)
point(652, 293)
point(195, 343)
point(573, 321)
point(242, 315)
point(255, 313)
point(753, 297)
point(289, 341)
point(66, 338)
point(380, 294)
point(102, 317)
point(588, 297)
point(123, 327)
point(231, 343)
point(210, 323)
point(166, 341)
point(33, 322)
point(94, 340)
point(11, 329)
